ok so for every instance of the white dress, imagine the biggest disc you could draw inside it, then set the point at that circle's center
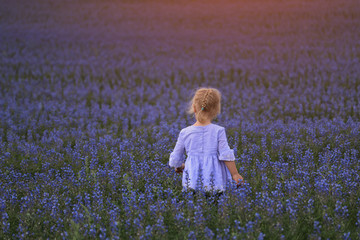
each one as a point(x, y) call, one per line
point(206, 148)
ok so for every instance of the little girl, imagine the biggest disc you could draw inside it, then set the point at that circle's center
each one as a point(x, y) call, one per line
point(208, 152)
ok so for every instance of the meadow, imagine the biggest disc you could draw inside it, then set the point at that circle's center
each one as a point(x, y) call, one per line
point(93, 95)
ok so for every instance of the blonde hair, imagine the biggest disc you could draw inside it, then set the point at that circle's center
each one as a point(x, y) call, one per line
point(207, 102)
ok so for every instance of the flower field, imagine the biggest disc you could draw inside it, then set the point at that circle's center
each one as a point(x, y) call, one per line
point(93, 95)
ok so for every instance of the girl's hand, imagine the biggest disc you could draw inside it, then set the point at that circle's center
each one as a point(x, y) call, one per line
point(238, 179)
point(180, 169)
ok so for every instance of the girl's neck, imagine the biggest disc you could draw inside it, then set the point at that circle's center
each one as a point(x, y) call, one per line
point(202, 124)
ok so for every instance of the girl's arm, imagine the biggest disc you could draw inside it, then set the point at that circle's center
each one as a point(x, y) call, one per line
point(227, 155)
point(176, 158)
point(232, 167)
point(233, 170)
point(180, 169)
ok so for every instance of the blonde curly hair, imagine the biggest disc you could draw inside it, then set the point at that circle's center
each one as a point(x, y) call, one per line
point(207, 104)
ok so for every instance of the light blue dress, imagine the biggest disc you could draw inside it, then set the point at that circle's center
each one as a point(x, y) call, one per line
point(206, 148)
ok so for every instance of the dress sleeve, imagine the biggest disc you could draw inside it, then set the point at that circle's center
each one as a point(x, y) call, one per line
point(225, 153)
point(177, 155)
